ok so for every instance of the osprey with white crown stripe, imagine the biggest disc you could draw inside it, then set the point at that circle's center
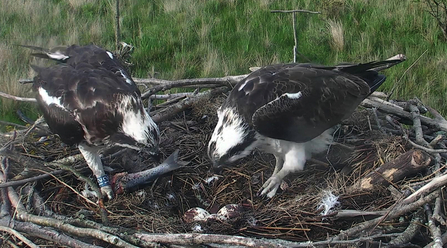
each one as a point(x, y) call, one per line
point(290, 110)
point(91, 101)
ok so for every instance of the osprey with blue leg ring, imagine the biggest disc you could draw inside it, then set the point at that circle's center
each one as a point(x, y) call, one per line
point(90, 100)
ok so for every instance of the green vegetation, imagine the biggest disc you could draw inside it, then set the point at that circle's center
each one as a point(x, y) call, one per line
point(214, 38)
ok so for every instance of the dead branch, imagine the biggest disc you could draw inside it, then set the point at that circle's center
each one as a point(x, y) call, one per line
point(396, 110)
point(444, 240)
point(44, 233)
point(294, 11)
point(117, 25)
point(12, 124)
point(31, 179)
point(434, 184)
point(394, 212)
point(165, 84)
point(434, 229)
point(22, 215)
point(173, 110)
point(403, 166)
point(33, 163)
point(17, 98)
point(348, 213)
point(18, 235)
point(417, 127)
point(414, 226)
point(198, 239)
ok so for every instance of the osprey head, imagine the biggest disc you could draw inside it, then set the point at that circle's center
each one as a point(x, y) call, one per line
point(232, 138)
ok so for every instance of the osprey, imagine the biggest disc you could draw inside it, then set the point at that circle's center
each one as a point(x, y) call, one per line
point(290, 110)
point(91, 101)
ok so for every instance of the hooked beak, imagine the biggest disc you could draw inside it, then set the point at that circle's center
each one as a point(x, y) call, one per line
point(218, 165)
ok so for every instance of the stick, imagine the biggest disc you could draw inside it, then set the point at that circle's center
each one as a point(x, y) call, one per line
point(172, 110)
point(406, 164)
point(396, 110)
point(165, 84)
point(17, 98)
point(434, 184)
point(417, 127)
point(19, 236)
point(414, 227)
point(396, 211)
point(22, 215)
point(44, 233)
point(294, 11)
point(434, 230)
point(117, 25)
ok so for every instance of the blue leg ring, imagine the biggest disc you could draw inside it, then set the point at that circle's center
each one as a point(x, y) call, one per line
point(103, 181)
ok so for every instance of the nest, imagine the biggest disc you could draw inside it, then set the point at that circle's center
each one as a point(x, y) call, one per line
point(296, 214)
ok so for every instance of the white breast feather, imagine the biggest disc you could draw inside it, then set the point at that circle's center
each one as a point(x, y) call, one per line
point(49, 99)
point(231, 133)
point(136, 124)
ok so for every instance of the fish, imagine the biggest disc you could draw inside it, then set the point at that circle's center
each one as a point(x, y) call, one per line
point(125, 182)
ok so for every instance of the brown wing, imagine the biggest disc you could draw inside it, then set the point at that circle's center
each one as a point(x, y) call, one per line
point(88, 99)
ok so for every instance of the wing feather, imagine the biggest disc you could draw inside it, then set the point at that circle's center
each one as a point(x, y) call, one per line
point(270, 103)
point(89, 99)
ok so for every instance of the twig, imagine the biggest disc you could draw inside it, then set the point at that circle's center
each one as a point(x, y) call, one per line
point(437, 212)
point(434, 184)
point(397, 110)
point(12, 124)
point(19, 236)
point(22, 215)
point(169, 96)
point(30, 179)
point(117, 25)
point(434, 230)
point(294, 11)
point(45, 233)
point(417, 127)
point(172, 110)
point(165, 84)
point(82, 178)
point(429, 150)
point(410, 231)
point(197, 239)
point(399, 209)
point(18, 98)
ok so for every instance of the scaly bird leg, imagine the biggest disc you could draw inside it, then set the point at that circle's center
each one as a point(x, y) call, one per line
point(294, 160)
point(278, 167)
point(93, 160)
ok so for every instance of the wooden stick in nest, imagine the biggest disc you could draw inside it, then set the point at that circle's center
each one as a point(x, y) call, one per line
point(405, 165)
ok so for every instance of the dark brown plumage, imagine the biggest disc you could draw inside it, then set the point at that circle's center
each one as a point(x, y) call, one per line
point(91, 101)
point(289, 110)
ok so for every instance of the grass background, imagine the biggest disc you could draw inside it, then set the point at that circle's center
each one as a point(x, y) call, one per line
point(180, 39)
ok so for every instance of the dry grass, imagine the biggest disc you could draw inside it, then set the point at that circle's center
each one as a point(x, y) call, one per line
point(212, 62)
point(337, 34)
